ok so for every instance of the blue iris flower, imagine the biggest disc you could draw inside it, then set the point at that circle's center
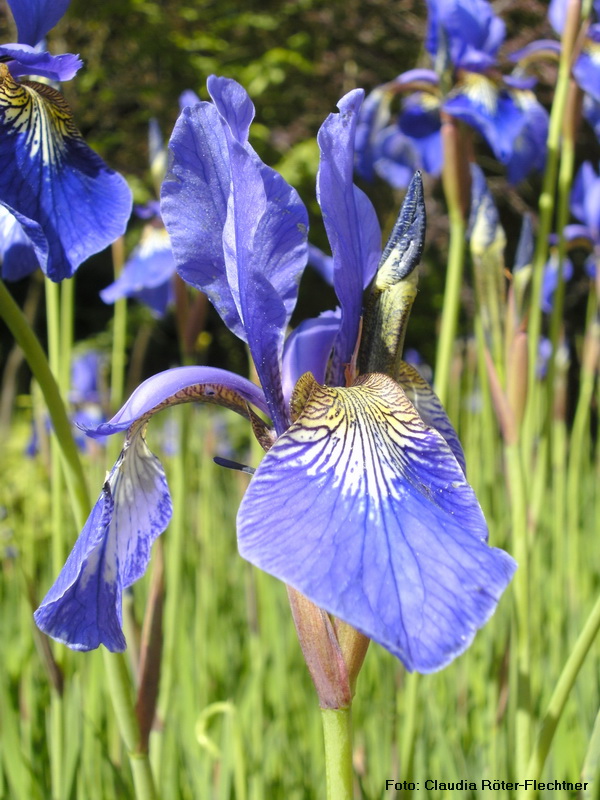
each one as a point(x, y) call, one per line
point(66, 200)
point(463, 39)
point(361, 502)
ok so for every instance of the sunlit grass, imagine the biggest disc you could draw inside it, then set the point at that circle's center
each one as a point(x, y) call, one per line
point(238, 717)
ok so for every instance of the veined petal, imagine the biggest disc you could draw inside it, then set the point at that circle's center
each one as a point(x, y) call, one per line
point(350, 222)
point(68, 201)
point(83, 607)
point(429, 408)
point(365, 510)
point(34, 18)
point(183, 385)
point(26, 60)
point(16, 249)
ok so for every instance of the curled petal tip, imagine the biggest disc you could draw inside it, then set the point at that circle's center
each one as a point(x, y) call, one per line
point(83, 607)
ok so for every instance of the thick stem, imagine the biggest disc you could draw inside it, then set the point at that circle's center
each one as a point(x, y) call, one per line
point(337, 733)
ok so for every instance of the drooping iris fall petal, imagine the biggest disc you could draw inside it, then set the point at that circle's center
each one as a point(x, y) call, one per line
point(69, 203)
point(365, 510)
point(83, 607)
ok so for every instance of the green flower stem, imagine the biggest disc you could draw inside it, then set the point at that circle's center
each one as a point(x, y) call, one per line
point(53, 320)
point(337, 733)
point(119, 342)
point(38, 363)
point(121, 693)
point(559, 697)
point(67, 310)
point(119, 680)
point(455, 178)
point(521, 587)
point(565, 181)
point(546, 213)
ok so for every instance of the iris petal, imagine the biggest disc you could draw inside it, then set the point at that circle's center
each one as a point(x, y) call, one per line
point(147, 273)
point(16, 249)
point(183, 385)
point(34, 18)
point(26, 60)
point(365, 510)
point(350, 221)
point(83, 607)
point(481, 103)
point(429, 408)
point(68, 201)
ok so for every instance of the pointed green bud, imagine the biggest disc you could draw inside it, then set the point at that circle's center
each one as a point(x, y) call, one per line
point(394, 288)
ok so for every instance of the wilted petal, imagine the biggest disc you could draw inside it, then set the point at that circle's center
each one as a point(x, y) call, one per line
point(68, 201)
point(350, 222)
point(183, 385)
point(83, 607)
point(364, 509)
point(34, 18)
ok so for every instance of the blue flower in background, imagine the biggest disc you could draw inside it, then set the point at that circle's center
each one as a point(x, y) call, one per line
point(68, 203)
point(361, 502)
point(463, 39)
point(148, 273)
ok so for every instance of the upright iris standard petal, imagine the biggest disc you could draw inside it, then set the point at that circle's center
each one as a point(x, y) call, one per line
point(34, 18)
point(365, 510)
point(350, 221)
point(234, 105)
point(68, 201)
point(83, 607)
point(468, 28)
point(205, 140)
